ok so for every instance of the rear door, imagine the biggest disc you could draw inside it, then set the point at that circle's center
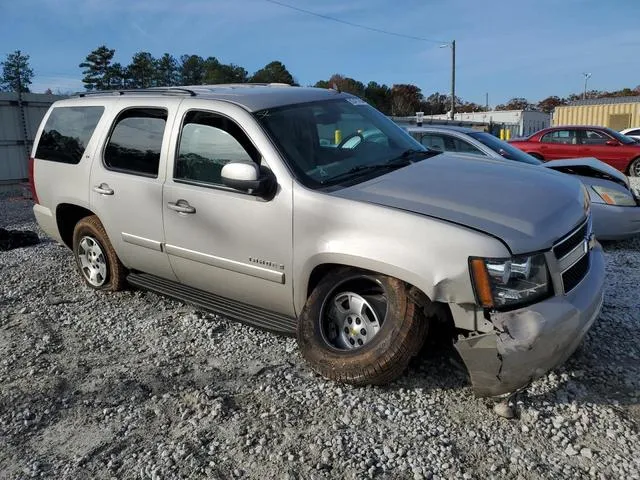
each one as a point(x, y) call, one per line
point(559, 144)
point(126, 182)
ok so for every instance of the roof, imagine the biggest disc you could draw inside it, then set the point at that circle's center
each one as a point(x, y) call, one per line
point(251, 96)
point(427, 128)
point(605, 101)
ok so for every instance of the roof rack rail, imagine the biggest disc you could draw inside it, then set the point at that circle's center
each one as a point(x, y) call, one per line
point(152, 90)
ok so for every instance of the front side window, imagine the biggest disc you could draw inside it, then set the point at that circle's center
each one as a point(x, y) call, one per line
point(136, 141)
point(67, 132)
point(337, 141)
point(207, 143)
point(591, 137)
point(564, 137)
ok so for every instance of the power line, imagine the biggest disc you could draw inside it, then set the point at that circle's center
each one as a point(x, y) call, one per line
point(345, 22)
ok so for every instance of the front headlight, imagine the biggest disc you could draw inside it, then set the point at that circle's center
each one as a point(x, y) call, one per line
point(614, 197)
point(504, 283)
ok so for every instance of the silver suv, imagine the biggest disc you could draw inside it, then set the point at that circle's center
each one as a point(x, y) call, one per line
point(269, 204)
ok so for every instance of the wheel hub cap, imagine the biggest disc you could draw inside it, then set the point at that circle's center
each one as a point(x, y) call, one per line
point(92, 261)
point(352, 321)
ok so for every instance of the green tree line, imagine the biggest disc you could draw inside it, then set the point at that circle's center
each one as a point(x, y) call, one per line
point(101, 72)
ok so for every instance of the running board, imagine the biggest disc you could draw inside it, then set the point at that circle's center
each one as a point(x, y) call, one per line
point(238, 311)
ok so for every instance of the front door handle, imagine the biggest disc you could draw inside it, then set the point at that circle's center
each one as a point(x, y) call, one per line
point(181, 206)
point(103, 189)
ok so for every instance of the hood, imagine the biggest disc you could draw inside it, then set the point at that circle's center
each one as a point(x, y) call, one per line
point(527, 207)
point(589, 167)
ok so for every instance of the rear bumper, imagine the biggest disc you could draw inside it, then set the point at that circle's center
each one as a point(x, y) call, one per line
point(611, 222)
point(47, 222)
point(528, 342)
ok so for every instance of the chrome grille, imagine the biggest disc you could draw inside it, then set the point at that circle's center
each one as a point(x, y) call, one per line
point(572, 253)
point(574, 274)
point(571, 241)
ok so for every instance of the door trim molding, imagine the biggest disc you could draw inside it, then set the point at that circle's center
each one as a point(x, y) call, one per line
point(141, 241)
point(227, 264)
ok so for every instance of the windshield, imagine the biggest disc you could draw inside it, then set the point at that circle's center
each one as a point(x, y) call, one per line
point(338, 141)
point(505, 149)
point(618, 136)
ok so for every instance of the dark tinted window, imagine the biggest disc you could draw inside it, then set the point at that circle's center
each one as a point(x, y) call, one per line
point(505, 149)
point(208, 142)
point(136, 141)
point(67, 132)
point(591, 137)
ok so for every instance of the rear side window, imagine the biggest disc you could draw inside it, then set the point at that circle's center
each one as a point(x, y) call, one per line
point(67, 132)
point(565, 137)
point(136, 141)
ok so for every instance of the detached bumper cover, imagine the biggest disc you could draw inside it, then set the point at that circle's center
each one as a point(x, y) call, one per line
point(611, 222)
point(528, 342)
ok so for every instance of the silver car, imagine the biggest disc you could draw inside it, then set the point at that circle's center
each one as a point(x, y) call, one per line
point(615, 205)
point(268, 204)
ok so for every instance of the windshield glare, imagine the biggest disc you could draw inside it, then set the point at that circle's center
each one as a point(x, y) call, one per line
point(505, 149)
point(326, 139)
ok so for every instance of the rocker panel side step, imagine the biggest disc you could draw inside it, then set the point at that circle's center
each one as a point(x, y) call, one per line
point(241, 312)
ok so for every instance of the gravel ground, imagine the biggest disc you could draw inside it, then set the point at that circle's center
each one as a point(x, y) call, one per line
point(134, 385)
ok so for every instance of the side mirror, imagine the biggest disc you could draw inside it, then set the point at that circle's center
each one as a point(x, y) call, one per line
point(612, 143)
point(248, 177)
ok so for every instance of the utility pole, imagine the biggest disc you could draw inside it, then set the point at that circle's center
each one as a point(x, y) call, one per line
point(586, 77)
point(453, 80)
point(453, 77)
point(486, 101)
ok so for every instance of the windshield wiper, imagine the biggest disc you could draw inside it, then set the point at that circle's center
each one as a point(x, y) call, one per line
point(412, 153)
point(394, 164)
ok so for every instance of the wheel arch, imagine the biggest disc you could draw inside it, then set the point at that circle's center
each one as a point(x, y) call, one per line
point(633, 160)
point(67, 216)
point(321, 270)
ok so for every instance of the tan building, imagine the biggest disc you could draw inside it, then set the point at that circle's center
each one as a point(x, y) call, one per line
point(617, 113)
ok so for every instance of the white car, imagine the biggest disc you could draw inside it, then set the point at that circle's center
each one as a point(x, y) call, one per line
point(631, 132)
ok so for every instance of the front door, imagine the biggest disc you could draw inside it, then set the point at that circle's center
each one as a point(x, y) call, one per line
point(126, 184)
point(226, 242)
point(594, 144)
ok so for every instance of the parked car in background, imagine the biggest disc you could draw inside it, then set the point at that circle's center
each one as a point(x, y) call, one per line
point(631, 132)
point(615, 205)
point(555, 143)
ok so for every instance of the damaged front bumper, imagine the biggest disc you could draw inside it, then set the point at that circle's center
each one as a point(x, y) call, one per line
point(528, 342)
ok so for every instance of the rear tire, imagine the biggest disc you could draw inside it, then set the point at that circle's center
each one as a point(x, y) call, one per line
point(360, 328)
point(634, 168)
point(97, 261)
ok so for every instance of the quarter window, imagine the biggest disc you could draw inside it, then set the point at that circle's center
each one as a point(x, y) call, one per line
point(136, 141)
point(207, 143)
point(565, 137)
point(67, 132)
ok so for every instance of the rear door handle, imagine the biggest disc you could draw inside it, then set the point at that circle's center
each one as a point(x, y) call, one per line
point(181, 206)
point(103, 189)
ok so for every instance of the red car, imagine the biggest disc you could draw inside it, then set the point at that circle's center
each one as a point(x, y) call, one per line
point(605, 144)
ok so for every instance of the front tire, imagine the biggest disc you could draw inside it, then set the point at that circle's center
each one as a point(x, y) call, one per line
point(634, 168)
point(360, 328)
point(97, 261)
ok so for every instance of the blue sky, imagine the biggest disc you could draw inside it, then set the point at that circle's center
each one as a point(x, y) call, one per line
point(519, 48)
